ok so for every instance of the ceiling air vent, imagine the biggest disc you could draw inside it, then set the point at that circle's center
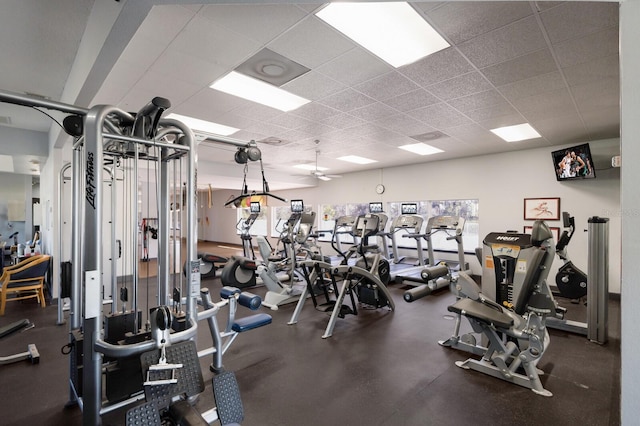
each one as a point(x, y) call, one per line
point(273, 141)
point(271, 67)
point(431, 136)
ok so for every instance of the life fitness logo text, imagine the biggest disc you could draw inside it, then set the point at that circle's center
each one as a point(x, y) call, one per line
point(90, 183)
point(507, 238)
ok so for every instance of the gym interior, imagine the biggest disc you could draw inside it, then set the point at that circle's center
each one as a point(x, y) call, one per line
point(158, 271)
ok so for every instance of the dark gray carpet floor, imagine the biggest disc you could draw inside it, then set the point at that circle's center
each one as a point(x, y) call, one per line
point(379, 368)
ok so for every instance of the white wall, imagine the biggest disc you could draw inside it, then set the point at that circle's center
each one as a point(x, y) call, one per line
point(499, 181)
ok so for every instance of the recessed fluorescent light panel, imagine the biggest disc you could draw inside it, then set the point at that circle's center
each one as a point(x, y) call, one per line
point(356, 159)
point(204, 126)
point(258, 91)
point(393, 31)
point(519, 132)
point(310, 167)
point(421, 148)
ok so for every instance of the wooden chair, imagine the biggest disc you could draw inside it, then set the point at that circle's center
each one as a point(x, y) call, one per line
point(24, 280)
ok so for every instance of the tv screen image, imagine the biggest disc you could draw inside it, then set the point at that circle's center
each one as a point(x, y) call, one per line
point(375, 207)
point(255, 207)
point(409, 208)
point(574, 163)
point(297, 206)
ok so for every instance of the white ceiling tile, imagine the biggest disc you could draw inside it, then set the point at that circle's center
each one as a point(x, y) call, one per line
point(404, 125)
point(177, 91)
point(545, 105)
point(475, 101)
point(594, 96)
point(562, 128)
point(257, 112)
point(355, 66)
point(199, 72)
point(581, 50)
point(475, 134)
point(501, 121)
point(505, 43)
point(462, 21)
point(386, 86)
point(214, 43)
point(373, 112)
point(170, 18)
point(311, 43)
point(440, 116)
point(347, 100)
point(492, 111)
point(261, 23)
point(315, 111)
point(313, 86)
point(601, 122)
point(549, 82)
point(412, 100)
point(289, 121)
point(577, 19)
point(607, 67)
point(460, 86)
point(523, 67)
point(440, 66)
point(342, 121)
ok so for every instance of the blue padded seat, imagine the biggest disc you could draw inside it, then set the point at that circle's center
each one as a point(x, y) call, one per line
point(250, 322)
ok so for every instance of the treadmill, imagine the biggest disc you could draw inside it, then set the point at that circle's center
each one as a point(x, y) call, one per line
point(408, 225)
point(450, 228)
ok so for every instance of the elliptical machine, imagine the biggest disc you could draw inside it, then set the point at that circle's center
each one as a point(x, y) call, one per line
point(571, 281)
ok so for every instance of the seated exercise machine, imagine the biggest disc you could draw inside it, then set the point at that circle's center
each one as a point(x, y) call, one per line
point(30, 354)
point(360, 282)
point(439, 274)
point(574, 284)
point(173, 377)
point(511, 310)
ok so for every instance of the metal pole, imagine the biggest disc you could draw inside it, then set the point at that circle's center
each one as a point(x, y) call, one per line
point(598, 280)
point(59, 236)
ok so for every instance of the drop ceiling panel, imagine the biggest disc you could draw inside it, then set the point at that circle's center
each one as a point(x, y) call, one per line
point(412, 100)
point(549, 82)
point(311, 43)
point(492, 111)
point(387, 86)
point(460, 86)
point(214, 44)
point(523, 67)
point(163, 24)
point(562, 129)
point(599, 95)
point(315, 111)
point(289, 121)
point(192, 69)
point(177, 92)
point(582, 50)
point(545, 105)
point(261, 23)
point(571, 20)
point(440, 116)
point(347, 100)
point(373, 112)
point(479, 100)
point(474, 134)
point(505, 43)
point(605, 68)
point(462, 21)
point(502, 121)
point(342, 121)
point(353, 67)
point(313, 86)
point(404, 125)
point(440, 66)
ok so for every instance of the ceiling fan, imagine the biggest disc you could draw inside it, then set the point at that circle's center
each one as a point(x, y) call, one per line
point(317, 172)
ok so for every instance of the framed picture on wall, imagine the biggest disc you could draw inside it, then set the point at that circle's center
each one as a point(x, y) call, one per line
point(542, 208)
point(555, 230)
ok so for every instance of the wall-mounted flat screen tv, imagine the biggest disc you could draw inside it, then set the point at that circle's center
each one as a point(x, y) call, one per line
point(574, 163)
point(297, 206)
point(255, 207)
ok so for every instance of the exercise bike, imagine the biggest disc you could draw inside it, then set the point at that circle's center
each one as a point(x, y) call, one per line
point(570, 280)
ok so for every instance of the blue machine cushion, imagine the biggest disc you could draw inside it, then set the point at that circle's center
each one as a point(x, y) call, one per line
point(251, 322)
point(228, 291)
point(250, 300)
